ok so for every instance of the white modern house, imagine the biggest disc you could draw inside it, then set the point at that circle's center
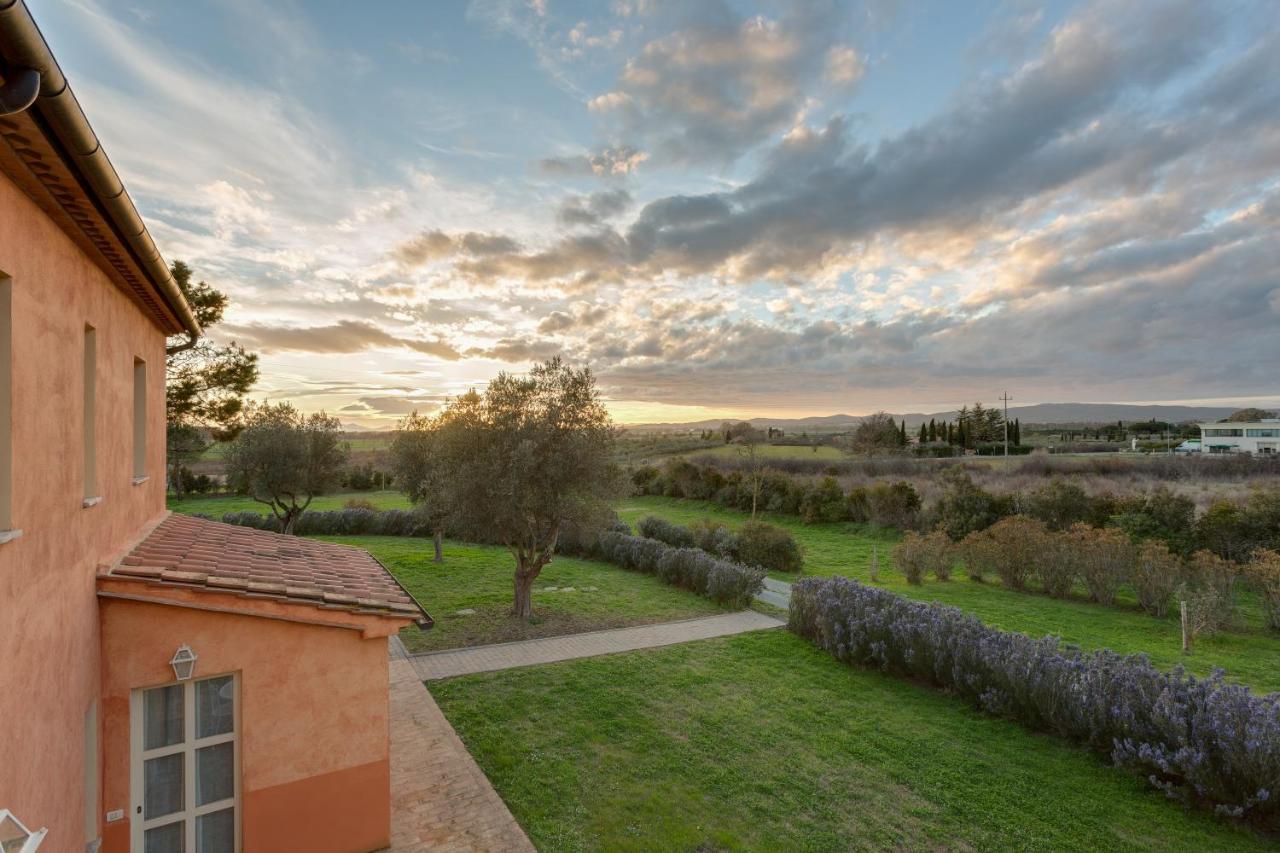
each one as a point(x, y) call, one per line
point(1242, 437)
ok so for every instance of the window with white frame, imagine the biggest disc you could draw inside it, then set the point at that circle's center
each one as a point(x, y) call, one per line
point(186, 767)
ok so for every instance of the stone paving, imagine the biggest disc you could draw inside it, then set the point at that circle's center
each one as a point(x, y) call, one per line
point(550, 649)
point(440, 799)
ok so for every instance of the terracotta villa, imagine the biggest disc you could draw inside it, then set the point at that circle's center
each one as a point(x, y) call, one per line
point(169, 683)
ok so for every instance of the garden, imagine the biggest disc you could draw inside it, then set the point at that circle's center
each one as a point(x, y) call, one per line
point(762, 741)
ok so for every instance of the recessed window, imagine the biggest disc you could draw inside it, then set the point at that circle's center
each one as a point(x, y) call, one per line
point(6, 405)
point(90, 415)
point(139, 420)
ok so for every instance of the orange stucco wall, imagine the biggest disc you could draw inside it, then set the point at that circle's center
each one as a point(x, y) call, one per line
point(49, 661)
point(313, 720)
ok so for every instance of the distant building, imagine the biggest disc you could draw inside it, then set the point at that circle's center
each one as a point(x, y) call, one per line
point(1241, 437)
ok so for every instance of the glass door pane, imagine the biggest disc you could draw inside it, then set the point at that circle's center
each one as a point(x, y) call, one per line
point(216, 832)
point(170, 838)
point(162, 717)
point(214, 698)
point(215, 773)
point(162, 785)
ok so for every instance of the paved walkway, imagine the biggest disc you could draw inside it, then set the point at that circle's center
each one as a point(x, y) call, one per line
point(440, 799)
point(550, 649)
point(777, 593)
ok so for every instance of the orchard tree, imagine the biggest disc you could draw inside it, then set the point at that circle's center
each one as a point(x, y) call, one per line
point(415, 465)
point(1246, 415)
point(205, 384)
point(522, 461)
point(283, 458)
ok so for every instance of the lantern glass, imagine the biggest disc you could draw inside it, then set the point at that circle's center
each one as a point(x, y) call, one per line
point(183, 663)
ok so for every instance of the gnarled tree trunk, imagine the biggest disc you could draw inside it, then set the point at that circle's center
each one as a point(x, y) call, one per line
point(525, 575)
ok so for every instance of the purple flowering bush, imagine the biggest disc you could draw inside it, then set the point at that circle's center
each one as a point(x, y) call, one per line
point(1202, 739)
point(690, 568)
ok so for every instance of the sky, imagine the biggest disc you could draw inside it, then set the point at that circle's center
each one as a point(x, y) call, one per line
point(725, 209)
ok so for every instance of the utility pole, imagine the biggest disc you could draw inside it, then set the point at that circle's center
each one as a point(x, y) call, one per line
point(1006, 398)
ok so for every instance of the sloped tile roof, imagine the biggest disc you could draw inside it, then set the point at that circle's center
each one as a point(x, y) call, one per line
point(194, 552)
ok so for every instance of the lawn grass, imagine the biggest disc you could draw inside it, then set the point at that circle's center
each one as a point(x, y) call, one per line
point(570, 596)
point(216, 506)
point(761, 742)
point(1249, 654)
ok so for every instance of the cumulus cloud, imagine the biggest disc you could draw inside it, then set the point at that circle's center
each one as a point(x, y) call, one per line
point(345, 336)
point(435, 245)
point(722, 83)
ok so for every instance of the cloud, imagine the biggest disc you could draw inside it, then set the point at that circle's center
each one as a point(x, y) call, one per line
point(434, 245)
point(722, 83)
point(605, 162)
point(345, 336)
point(593, 209)
point(395, 405)
point(516, 350)
point(844, 65)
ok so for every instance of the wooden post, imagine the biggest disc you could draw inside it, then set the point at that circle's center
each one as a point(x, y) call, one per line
point(1186, 640)
point(875, 564)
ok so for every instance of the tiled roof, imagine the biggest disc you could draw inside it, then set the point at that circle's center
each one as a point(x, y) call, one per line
point(195, 552)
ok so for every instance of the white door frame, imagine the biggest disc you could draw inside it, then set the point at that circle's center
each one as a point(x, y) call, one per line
point(188, 746)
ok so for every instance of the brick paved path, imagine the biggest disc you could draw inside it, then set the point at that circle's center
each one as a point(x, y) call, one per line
point(550, 649)
point(440, 799)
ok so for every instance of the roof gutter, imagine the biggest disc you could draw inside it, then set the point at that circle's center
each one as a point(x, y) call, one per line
point(25, 52)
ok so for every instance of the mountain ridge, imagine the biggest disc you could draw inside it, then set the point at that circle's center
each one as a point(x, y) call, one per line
point(1064, 414)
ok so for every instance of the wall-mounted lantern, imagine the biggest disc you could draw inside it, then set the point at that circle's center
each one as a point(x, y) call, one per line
point(183, 663)
point(14, 836)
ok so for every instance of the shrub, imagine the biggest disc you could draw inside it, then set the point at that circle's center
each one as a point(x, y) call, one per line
point(1263, 571)
point(965, 507)
point(769, 546)
point(1160, 514)
point(1203, 738)
point(979, 553)
point(1056, 565)
point(1058, 503)
point(893, 504)
point(858, 508)
point(1155, 574)
point(692, 568)
point(1016, 543)
point(675, 535)
point(1208, 588)
point(1101, 558)
point(824, 502)
point(919, 554)
point(714, 537)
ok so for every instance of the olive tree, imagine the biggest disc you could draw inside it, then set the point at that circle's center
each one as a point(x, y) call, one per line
point(519, 463)
point(283, 459)
point(875, 434)
point(414, 462)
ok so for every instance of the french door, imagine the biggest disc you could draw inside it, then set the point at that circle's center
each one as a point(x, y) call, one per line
point(185, 782)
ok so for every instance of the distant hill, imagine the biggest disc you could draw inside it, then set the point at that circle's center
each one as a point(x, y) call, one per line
point(1042, 413)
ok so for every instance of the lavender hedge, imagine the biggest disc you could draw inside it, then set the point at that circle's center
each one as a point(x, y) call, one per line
point(1197, 738)
point(690, 568)
point(352, 521)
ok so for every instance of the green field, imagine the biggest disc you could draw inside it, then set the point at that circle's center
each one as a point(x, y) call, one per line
point(773, 451)
point(216, 506)
point(761, 742)
point(1249, 654)
point(570, 596)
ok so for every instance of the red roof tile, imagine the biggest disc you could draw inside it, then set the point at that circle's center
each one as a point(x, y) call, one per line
point(195, 552)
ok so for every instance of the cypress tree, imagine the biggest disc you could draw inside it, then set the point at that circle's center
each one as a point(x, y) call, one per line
point(924, 432)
